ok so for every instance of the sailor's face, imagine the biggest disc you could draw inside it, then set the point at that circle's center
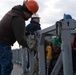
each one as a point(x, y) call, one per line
point(55, 48)
point(27, 15)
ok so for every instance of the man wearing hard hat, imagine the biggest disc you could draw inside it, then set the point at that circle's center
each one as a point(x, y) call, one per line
point(12, 28)
point(31, 28)
point(56, 49)
point(34, 24)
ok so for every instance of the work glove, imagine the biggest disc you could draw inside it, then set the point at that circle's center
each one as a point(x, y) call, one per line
point(31, 42)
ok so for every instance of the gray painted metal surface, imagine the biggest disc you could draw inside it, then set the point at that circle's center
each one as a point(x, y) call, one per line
point(67, 34)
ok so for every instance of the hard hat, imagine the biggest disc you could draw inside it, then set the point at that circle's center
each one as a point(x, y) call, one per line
point(68, 16)
point(56, 41)
point(32, 5)
point(35, 16)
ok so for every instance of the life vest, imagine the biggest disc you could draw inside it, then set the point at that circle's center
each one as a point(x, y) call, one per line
point(74, 43)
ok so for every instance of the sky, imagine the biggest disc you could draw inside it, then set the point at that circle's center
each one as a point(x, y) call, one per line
point(50, 11)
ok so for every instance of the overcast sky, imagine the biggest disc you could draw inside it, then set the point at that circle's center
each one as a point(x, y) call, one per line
point(50, 11)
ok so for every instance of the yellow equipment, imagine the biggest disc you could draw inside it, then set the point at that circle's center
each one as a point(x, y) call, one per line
point(48, 52)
